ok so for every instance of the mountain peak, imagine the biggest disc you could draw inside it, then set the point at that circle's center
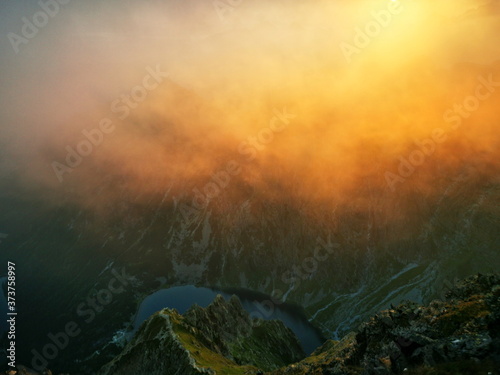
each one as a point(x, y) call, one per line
point(206, 340)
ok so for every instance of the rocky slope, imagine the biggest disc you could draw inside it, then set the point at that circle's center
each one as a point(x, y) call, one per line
point(219, 339)
point(460, 335)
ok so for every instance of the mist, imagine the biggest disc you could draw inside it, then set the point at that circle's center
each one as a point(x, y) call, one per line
point(314, 102)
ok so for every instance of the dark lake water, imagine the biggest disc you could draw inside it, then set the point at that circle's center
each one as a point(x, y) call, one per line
point(183, 297)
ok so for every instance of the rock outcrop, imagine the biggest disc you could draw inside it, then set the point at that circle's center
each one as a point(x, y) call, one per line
point(219, 339)
point(460, 335)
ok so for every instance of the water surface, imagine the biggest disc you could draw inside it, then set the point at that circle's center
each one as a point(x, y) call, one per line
point(258, 305)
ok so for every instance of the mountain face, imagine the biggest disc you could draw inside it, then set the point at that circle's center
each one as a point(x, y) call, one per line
point(219, 339)
point(459, 335)
point(371, 262)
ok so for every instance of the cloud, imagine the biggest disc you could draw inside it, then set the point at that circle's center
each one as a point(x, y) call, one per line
point(354, 120)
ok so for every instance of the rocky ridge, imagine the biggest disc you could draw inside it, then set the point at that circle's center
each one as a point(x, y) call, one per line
point(459, 335)
point(219, 339)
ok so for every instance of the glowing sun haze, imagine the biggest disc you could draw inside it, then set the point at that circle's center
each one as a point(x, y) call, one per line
point(355, 114)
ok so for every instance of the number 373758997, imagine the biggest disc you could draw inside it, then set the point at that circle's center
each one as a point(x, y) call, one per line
point(11, 286)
